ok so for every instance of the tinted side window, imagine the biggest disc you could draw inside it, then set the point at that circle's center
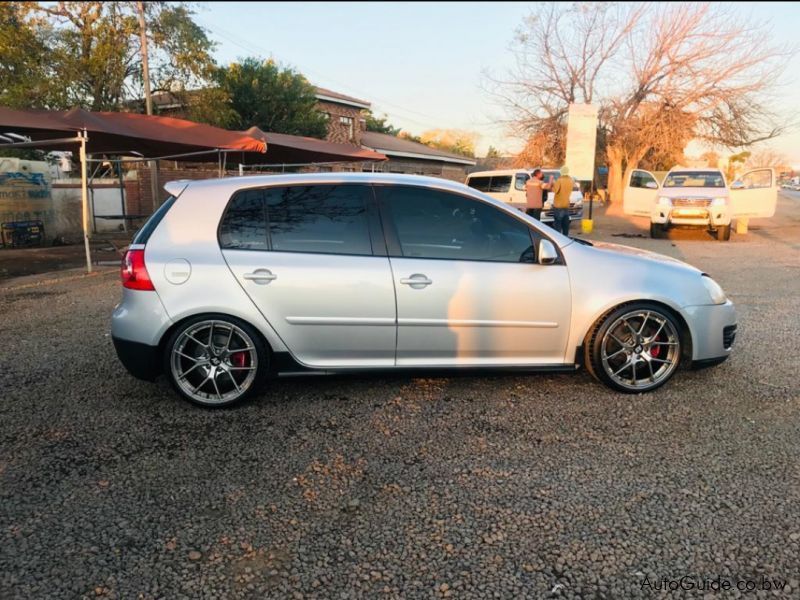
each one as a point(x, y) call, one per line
point(328, 219)
point(435, 224)
point(479, 183)
point(150, 225)
point(500, 183)
point(244, 225)
point(640, 179)
point(520, 179)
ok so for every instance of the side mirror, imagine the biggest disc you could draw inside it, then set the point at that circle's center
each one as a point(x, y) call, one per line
point(651, 185)
point(546, 252)
point(737, 185)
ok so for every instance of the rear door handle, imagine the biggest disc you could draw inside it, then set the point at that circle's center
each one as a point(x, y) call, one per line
point(261, 276)
point(417, 281)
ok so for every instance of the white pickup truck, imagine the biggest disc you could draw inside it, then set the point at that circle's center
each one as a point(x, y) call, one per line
point(700, 198)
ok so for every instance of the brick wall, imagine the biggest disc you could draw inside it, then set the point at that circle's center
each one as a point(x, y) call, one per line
point(339, 132)
point(140, 191)
point(454, 172)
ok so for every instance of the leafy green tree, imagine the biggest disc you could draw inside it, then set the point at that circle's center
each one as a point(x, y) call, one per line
point(380, 125)
point(271, 97)
point(27, 76)
point(59, 55)
point(492, 152)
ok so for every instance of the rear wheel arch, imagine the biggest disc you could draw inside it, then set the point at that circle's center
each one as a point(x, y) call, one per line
point(162, 343)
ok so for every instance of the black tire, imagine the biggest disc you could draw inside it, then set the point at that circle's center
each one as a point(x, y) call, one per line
point(642, 355)
point(723, 233)
point(656, 231)
point(249, 376)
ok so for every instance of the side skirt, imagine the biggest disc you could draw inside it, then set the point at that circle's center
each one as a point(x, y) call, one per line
point(284, 365)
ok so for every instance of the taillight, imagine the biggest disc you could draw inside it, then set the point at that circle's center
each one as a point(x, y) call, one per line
point(134, 273)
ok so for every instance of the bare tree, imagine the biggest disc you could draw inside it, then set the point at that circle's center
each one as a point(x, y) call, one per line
point(766, 157)
point(661, 74)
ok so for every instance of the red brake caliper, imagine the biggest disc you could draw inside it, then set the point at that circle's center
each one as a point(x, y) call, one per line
point(655, 350)
point(239, 359)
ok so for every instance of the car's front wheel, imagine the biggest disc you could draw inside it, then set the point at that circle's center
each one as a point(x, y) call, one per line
point(215, 360)
point(635, 348)
point(723, 233)
point(657, 231)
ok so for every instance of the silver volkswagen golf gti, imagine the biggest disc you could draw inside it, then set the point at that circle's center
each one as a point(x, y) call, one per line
point(233, 281)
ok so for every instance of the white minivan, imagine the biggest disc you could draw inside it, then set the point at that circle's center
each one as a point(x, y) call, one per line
point(700, 198)
point(508, 185)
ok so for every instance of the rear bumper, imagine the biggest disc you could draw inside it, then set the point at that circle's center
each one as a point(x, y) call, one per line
point(141, 360)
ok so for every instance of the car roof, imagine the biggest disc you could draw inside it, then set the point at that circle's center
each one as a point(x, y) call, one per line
point(498, 172)
point(695, 170)
point(250, 181)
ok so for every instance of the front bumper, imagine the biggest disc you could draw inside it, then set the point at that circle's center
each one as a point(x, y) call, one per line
point(712, 216)
point(141, 361)
point(713, 329)
point(575, 213)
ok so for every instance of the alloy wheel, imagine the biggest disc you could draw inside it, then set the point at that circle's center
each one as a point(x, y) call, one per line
point(214, 362)
point(640, 350)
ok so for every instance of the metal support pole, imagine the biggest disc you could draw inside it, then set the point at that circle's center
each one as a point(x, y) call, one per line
point(122, 196)
point(85, 202)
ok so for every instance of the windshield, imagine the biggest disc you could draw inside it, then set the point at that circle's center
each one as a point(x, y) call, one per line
point(698, 179)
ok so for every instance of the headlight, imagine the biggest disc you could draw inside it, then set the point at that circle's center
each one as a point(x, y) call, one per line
point(719, 202)
point(664, 201)
point(714, 290)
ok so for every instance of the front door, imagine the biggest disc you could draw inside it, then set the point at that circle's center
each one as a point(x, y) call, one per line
point(310, 259)
point(755, 194)
point(641, 192)
point(468, 291)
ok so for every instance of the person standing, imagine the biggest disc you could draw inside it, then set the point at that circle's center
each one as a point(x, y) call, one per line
point(534, 194)
point(562, 190)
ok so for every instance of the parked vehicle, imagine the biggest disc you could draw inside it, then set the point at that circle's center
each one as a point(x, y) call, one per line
point(235, 280)
point(508, 186)
point(692, 197)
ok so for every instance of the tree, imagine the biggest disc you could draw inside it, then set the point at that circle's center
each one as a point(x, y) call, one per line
point(380, 125)
point(734, 161)
point(766, 157)
point(95, 50)
point(661, 74)
point(492, 152)
point(711, 158)
point(456, 141)
point(271, 97)
point(27, 75)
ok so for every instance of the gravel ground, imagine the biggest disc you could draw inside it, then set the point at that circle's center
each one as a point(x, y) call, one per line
point(474, 486)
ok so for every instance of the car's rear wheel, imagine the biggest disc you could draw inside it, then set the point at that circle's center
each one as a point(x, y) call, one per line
point(723, 233)
point(215, 361)
point(635, 348)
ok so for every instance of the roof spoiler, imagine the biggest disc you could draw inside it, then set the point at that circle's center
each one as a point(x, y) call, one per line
point(175, 188)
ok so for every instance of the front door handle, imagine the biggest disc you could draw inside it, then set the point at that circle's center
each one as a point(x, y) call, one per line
point(417, 281)
point(260, 276)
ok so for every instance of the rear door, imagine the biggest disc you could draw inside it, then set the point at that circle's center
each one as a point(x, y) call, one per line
point(641, 192)
point(313, 260)
point(755, 194)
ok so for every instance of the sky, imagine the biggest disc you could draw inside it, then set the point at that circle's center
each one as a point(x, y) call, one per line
point(424, 65)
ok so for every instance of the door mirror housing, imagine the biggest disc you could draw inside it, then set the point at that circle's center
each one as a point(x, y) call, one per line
point(546, 252)
point(737, 185)
point(651, 185)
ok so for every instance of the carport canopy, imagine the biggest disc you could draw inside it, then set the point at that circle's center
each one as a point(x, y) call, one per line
point(155, 137)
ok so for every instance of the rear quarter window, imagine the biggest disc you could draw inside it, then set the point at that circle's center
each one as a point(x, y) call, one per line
point(150, 225)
